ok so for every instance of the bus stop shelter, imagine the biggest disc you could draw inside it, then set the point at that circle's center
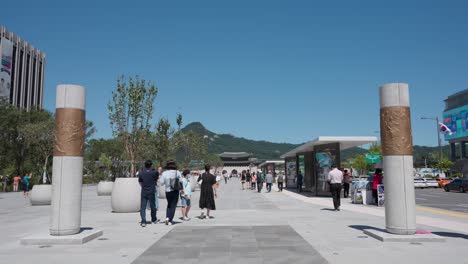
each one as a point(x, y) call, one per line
point(315, 158)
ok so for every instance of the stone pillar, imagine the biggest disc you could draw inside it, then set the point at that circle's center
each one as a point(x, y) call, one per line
point(67, 172)
point(453, 152)
point(397, 150)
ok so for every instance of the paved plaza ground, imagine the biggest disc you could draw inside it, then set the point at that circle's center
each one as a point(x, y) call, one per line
point(248, 228)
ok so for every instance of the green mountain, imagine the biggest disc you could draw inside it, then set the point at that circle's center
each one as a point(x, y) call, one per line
point(262, 150)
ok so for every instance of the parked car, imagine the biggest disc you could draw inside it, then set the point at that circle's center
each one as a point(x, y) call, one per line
point(431, 183)
point(420, 183)
point(460, 185)
point(443, 182)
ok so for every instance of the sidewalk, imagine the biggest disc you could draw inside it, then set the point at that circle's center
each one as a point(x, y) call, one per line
point(249, 228)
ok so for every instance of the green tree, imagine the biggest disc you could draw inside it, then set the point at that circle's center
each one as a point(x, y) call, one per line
point(130, 113)
point(163, 140)
point(359, 163)
point(106, 162)
point(444, 165)
point(40, 138)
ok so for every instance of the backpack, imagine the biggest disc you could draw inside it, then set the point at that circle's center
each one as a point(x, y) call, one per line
point(177, 185)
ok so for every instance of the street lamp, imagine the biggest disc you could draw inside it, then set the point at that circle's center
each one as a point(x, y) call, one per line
point(436, 119)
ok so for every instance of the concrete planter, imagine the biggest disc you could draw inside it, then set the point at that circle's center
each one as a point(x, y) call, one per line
point(104, 188)
point(41, 194)
point(126, 194)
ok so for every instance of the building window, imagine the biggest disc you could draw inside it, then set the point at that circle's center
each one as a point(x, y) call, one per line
point(26, 86)
point(33, 84)
point(20, 79)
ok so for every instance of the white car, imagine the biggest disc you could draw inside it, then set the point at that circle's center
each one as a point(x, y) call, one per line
point(431, 183)
point(420, 183)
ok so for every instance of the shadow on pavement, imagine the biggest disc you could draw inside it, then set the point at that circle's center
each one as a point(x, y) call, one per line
point(363, 227)
point(451, 235)
point(327, 209)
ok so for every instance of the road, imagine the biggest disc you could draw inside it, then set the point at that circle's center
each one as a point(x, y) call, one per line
point(438, 198)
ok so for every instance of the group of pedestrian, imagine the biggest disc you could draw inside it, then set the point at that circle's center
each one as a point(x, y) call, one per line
point(337, 179)
point(18, 181)
point(256, 180)
point(176, 185)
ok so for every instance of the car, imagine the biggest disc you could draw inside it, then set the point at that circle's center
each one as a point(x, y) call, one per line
point(431, 183)
point(460, 185)
point(420, 183)
point(444, 181)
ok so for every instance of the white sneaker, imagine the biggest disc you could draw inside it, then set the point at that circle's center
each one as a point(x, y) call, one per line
point(167, 221)
point(170, 223)
point(202, 216)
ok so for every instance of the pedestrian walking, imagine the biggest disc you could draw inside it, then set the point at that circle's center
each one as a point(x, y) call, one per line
point(280, 182)
point(269, 181)
point(148, 178)
point(376, 180)
point(16, 182)
point(260, 180)
point(299, 181)
point(171, 179)
point(248, 178)
point(335, 178)
point(207, 193)
point(225, 176)
point(254, 181)
point(3, 182)
point(243, 180)
point(186, 195)
point(26, 183)
point(346, 182)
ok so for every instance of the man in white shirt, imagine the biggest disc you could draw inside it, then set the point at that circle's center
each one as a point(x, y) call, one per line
point(335, 178)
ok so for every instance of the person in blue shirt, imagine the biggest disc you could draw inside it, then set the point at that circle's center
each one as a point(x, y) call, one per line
point(26, 184)
point(186, 195)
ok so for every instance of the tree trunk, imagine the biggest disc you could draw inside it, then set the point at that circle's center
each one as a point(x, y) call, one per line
point(44, 170)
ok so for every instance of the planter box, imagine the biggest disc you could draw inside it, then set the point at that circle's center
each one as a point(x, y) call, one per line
point(104, 188)
point(126, 195)
point(41, 195)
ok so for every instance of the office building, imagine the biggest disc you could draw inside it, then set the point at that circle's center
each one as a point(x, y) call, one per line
point(21, 71)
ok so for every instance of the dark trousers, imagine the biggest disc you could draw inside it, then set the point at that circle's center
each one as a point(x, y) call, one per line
point(268, 186)
point(280, 186)
point(145, 198)
point(335, 189)
point(225, 179)
point(375, 198)
point(299, 187)
point(254, 185)
point(346, 190)
point(259, 186)
point(172, 199)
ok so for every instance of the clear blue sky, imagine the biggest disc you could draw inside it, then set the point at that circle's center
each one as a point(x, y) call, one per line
point(284, 71)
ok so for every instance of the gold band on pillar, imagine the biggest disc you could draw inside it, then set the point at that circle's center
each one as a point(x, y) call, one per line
point(70, 126)
point(395, 130)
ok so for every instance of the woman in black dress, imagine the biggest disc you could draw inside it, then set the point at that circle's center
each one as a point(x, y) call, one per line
point(207, 192)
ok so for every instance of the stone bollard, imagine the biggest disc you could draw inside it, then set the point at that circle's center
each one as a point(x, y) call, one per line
point(397, 150)
point(67, 178)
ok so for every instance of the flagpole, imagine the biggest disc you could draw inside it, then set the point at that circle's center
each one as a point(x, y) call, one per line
point(438, 138)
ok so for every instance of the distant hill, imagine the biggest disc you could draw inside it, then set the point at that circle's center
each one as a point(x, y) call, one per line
point(262, 150)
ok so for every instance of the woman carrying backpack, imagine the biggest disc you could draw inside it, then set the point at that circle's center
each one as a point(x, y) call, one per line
point(172, 180)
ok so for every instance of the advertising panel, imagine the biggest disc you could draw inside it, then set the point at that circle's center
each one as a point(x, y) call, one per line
point(291, 173)
point(6, 55)
point(456, 121)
